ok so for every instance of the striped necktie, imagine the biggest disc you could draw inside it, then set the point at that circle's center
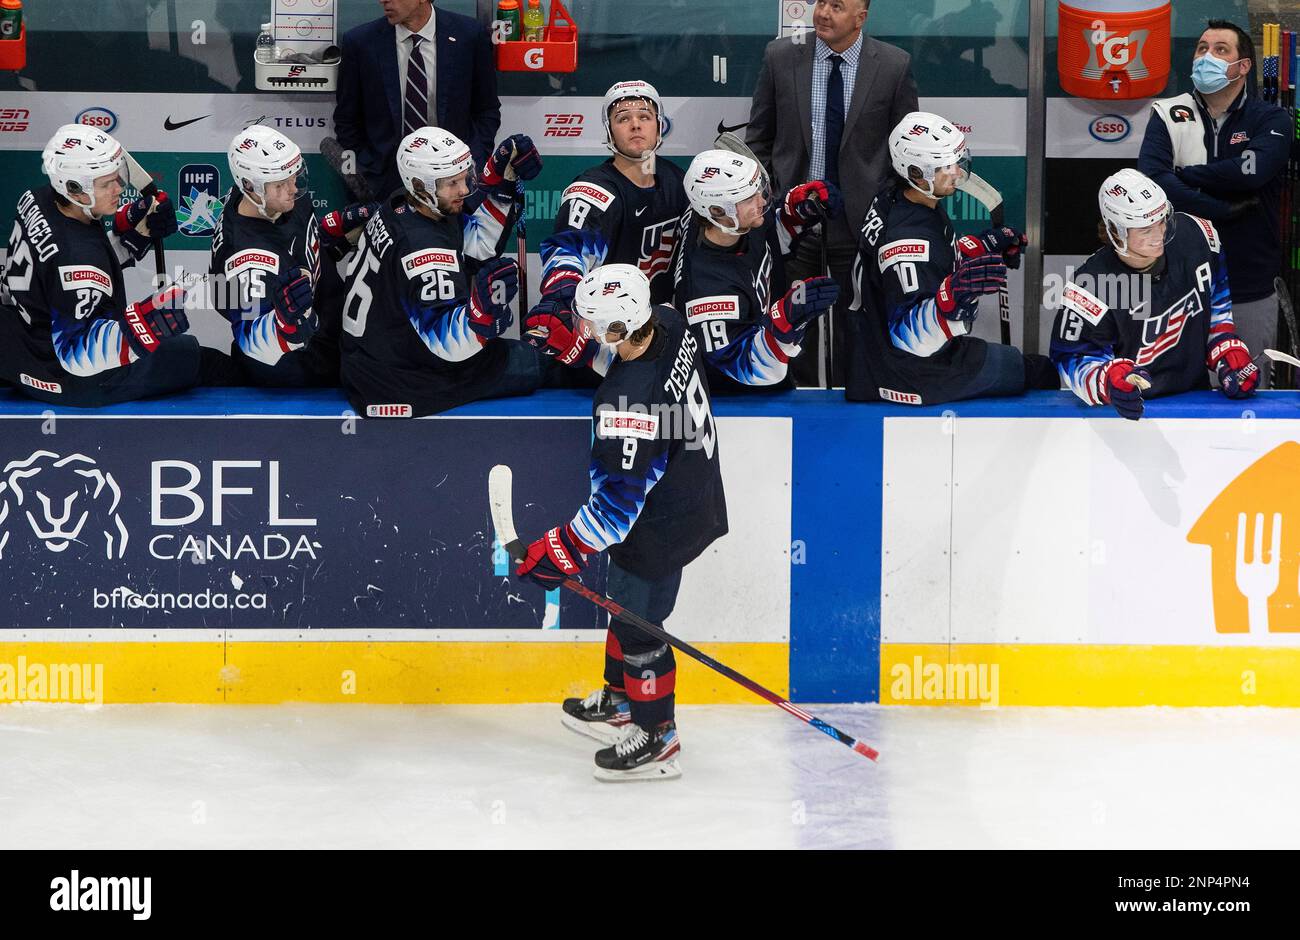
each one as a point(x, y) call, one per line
point(415, 110)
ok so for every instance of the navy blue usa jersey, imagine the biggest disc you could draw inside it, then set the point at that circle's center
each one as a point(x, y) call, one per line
point(605, 218)
point(245, 252)
point(63, 278)
point(656, 484)
point(726, 293)
point(406, 335)
point(901, 348)
point(1165, 321)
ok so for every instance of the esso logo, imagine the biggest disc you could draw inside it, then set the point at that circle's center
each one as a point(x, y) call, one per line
point(535, 58)
point(1110, 128)
point(101, 119)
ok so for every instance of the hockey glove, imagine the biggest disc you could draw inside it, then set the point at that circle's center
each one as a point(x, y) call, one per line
point(556, 331)
point(959, 294)
point(138, 223)
point(790, 316)
point(555, 556)
point(147, 323)
point(1230, 359)
point(340, 222)
point(812, 202)
point(560, 285)
point(494, 288)
point(516, 158)
point(290, 295)
point(1004, 241)
point(1125, 384)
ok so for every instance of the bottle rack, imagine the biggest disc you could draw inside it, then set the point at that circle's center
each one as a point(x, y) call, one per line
point(544, 56)
point(295, 76)
point(13, 52)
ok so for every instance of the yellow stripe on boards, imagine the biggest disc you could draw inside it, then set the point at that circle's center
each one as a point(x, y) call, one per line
point(1087, 675)
point(379, 672)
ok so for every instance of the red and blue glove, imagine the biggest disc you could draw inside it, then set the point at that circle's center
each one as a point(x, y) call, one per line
point(138, 223)
point(959, 294)
point(555, 330)
point(812, 202)
point(555, 556)
point(147, 323)
point(515, 158)
point(1230, 359)
point(494, 288)
point(1125, 383)
point(802, 303)
point(1005, 242)
point(291, 296)
point(338, 223)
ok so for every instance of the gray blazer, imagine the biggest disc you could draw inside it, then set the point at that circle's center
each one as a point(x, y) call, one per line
point(780, 121)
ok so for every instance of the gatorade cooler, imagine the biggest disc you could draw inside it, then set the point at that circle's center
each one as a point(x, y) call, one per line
point(1113, 49)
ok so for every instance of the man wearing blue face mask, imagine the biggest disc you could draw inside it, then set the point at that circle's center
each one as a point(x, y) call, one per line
point(1220, 153)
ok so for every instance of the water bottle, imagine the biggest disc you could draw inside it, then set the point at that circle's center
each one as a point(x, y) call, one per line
point(508, 12)
point(534, 22)
point(11, 19)
point(265, 52)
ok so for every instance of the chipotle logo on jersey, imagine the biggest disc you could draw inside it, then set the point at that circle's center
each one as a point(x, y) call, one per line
point(73, 276)
point(430, 259)
point(712, 308)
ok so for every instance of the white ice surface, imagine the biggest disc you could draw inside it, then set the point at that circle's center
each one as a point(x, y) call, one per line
point(512, 776)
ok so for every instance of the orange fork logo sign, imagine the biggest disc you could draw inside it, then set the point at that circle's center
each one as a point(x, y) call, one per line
point(1253, 530)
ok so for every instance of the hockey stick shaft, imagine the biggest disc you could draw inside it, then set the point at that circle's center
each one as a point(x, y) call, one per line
point(499, 496)
point(976, 187)
point(521, 248)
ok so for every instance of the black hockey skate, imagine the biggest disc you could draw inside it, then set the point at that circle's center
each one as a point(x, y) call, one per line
point(603, 715)
point(641, 755)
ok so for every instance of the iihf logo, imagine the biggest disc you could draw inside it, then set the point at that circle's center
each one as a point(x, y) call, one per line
point(58, 495)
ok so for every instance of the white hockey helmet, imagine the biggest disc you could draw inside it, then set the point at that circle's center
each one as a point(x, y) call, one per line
point(260, 155)
point(431, 154)
point(622, 91)
point(1129, 201)
point(614, 298)
point(75, 157)
point(923, 143)
point(720, 180)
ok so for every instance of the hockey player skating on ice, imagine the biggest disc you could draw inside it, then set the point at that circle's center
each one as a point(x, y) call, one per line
point(622, 211)
point(919, 287)
point(67, 332)
point(282, 299)
point(731, 248)
point(428, 296)
point(656, 504)
point(1150, 312)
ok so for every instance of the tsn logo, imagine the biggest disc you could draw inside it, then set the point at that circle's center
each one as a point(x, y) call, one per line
point(563, 125)
point(14, 120)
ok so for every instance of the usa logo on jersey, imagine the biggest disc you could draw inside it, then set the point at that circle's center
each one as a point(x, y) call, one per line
point(1161, 334)
point(657, 248)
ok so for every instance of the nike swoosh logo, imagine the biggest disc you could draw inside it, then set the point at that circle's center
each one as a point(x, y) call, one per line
point(167, 122)
point(639, 211)
point(1276, 133)
point(724, 129)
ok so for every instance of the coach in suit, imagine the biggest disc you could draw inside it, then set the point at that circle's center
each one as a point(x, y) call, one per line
point(382, 98)
point(823, 109)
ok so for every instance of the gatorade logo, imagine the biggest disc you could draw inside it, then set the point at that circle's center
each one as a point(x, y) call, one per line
point(1252, 529)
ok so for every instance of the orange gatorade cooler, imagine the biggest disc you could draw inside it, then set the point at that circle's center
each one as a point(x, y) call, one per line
point(1114, 49)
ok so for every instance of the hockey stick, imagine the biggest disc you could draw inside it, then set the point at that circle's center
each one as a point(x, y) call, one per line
point(521, 249)
point(991, 199)
point(499, 496)
point(1288, 315)
point(139, 177)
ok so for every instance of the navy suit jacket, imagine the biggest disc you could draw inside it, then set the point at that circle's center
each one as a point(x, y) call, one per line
point(368, 115)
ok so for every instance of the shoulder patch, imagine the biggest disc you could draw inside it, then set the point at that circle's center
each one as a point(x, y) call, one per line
point(907, 249)
point(1210, 232)
point(81, 276)
point(1086, 305)
point(252, 259)
point(430, 259)
point(722, 307)
point(598, 196)
point(637, 424)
